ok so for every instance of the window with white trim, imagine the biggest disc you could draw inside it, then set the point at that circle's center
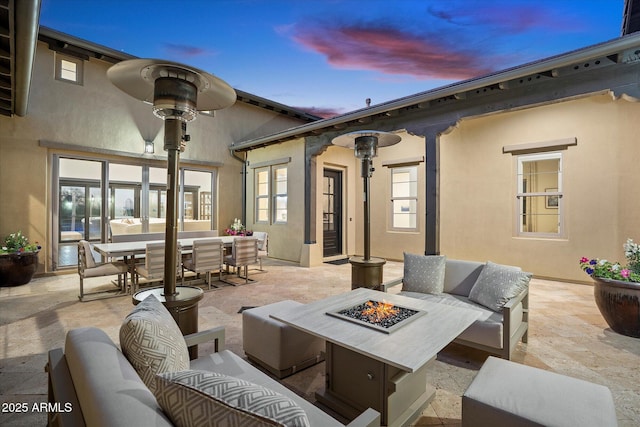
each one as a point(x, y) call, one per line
point(540, 194)
point(271, 194)
point(280, 194)
point(262, 195)
point(404, 198)
point(69, 69)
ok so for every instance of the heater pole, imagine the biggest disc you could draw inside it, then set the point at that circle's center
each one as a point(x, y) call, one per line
point(366, 168)
point(173, 135)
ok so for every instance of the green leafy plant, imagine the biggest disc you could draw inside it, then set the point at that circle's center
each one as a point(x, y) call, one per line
point(18, 243)
point(602, 268)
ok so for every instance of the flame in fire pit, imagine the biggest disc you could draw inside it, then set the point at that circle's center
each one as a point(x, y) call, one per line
point(378, 311)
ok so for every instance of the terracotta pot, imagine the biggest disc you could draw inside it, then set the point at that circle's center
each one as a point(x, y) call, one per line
point(17, 269)
point(619, 304)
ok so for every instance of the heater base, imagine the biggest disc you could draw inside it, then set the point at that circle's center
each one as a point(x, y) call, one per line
point(366, 273)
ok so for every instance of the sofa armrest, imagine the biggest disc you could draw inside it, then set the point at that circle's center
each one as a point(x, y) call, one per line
point(521, 297)
point(509, 341)
point(62, 391)
point(384, 287)
point(214, 334)
point(369, 418)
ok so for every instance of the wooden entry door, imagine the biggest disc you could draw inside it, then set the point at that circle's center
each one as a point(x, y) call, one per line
point(332, 212)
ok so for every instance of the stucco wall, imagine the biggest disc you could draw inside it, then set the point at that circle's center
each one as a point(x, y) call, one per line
point(385, 242)
point(97, 115)
point(285, 240)
point(478, 186)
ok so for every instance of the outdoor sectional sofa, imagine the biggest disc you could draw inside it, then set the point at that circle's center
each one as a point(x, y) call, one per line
point(152, 382)
point(500, 292)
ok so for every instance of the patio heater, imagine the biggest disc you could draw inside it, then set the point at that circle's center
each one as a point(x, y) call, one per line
point(177, 93)
point(366, 271)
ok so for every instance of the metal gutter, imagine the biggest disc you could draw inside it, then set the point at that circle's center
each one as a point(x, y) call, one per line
point(27, 15)
point(605, 49)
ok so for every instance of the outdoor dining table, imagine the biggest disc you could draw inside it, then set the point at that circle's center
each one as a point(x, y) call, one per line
point(129, 250)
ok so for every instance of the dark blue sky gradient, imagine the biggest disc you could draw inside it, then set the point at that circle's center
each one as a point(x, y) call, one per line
point(328, 56)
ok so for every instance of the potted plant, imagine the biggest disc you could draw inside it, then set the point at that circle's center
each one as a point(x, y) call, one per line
point(18, 260)
point(617, 289)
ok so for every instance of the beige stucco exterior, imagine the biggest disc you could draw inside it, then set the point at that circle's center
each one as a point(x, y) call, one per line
point(477, 206)
point(96, 120)
point(600, 204)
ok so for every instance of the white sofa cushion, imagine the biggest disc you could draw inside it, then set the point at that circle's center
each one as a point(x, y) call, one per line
point(423, 273)
point(207, 398)
point(497, 284)
point(109, 391)
point(152, 341)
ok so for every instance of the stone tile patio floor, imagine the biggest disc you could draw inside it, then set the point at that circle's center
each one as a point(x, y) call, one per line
point(566, 335)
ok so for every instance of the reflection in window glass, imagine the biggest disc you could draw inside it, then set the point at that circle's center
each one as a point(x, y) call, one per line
point(540, 193)
point(404, 197)
point(280, 214)
point(262, 195)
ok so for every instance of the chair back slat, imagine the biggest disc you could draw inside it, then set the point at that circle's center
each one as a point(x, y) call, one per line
point(85, 256)
point(208, 255)
point(154, 260)
point(245, 250)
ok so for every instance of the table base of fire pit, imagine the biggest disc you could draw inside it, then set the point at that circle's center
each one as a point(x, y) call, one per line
point(355, 382)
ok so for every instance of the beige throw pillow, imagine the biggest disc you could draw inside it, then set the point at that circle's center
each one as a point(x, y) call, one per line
point(497, 284)
point(152, 341)
point(203, 398)
point(424, 273)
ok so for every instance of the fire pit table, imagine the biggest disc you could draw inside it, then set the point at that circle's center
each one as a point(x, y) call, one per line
point(370, 365)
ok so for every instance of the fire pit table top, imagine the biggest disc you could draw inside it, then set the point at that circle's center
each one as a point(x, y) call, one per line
point(408, 348)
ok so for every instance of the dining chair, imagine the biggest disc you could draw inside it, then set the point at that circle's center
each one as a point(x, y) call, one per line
point(153, 266)
point(263, 245)
point(206, 256)
point(88, 267)
point(243, 253)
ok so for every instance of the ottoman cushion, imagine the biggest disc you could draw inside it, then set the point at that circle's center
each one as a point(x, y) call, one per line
point(510, 394)
point(276, 345)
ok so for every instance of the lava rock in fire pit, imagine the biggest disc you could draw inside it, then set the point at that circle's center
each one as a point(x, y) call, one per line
point(377, 313)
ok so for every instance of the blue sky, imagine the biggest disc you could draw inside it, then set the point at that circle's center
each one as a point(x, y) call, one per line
point(329, 56)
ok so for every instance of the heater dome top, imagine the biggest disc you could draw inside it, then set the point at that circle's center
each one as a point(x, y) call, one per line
point(137, 77)
point(348, 140)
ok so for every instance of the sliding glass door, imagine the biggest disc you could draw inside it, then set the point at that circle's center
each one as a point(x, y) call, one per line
point(97, 200)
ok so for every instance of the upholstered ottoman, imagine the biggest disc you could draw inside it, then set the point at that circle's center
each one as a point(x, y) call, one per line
point(279, 348)
point(510, 394)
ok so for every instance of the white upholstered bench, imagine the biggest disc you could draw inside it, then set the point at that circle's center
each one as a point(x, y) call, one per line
point(280, 349)
point(509, 394)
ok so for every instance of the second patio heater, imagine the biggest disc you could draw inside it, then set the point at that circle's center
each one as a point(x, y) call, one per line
point(366, 271)
point(177, 93)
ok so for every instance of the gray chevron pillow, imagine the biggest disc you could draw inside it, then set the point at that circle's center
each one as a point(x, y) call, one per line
point(203, 398)
point(423, 273)
point(152, 342)
point(497, 284)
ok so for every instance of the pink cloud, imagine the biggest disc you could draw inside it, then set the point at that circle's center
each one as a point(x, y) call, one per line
point(391, 51)
point(325, 113)
point(184, 51)
point(507, 18)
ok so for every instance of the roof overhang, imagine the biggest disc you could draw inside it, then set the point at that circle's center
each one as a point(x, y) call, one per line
point(623, 50)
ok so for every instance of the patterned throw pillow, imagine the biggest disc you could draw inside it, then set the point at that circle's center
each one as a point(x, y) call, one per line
point(424, 273)
point(152, 342)
point(204, 398)
point(497, 284)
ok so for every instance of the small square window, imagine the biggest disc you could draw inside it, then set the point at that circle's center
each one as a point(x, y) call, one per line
point(69, 69)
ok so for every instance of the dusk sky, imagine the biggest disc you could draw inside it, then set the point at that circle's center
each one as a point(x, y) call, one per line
point(328, 56)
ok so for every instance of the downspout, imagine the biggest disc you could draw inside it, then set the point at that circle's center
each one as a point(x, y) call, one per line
point(244, 183)
point(27, 23)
